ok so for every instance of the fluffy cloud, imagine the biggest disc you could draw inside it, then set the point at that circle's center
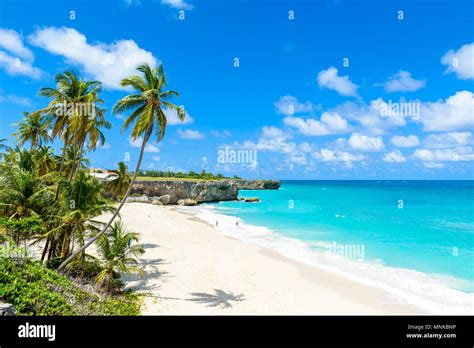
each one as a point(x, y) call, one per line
point(365, 143)
point(403, 82)
point(148, 147)
point(220, 134)
point(394, 157)
point(289, 105)
point(12, 42)
point(408, 141)
point(190, 134)
point(15, 58)
point(444, 155)
point(461, 62)
point(456, 113)
point(172, 117)
point(330, 123)
point(178, 4)
point(272, 139)
point(328, 155)
point(448, 140)
point(11, 98)
point(329, 78)
point(108, 63)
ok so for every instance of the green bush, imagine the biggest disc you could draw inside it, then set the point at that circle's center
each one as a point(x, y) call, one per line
point(36, 290)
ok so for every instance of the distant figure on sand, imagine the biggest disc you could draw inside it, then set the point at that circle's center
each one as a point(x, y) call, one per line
point(217, 223)
point(237, 223)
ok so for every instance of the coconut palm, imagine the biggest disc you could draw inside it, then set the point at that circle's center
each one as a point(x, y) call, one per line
point(120, 184)
point(117, 254)
point(22, 192)
point(80, 202)
point(44, 159)
point(70, 94)
point(147, 118)
point(33, 128)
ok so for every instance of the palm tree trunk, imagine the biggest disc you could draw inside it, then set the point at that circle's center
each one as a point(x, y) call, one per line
point(61, 167)
point(79, 160)
point(45, 250)
point(73, 255)
point(73, 162)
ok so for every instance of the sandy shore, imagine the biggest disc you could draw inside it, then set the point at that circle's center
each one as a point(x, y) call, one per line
point(191, 268)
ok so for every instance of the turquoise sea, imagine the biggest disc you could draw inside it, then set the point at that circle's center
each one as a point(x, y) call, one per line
point(422, 226)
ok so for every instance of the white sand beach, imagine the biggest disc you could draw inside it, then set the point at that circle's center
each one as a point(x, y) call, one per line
point(192, 268)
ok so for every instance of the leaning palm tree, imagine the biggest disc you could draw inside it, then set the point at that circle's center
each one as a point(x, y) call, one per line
point(33, 128)
point(147, 118)
point(118, 256)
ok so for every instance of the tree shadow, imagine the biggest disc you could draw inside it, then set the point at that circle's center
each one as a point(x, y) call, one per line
point(219, 298)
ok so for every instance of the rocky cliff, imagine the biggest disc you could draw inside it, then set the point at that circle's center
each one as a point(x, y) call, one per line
point(257, 184)
point(200, 191)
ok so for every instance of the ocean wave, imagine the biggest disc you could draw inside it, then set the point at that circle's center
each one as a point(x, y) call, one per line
point(406, 286)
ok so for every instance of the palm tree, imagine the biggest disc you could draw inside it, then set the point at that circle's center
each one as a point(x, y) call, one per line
point(81, 201)
point(119, 185)
point(22, 192)
point(118, 256)
point(45, 161)
point(147, 118)
point(33, 128)
point(70, 94)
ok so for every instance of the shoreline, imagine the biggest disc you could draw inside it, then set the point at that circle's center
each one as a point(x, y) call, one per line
point(192, 268)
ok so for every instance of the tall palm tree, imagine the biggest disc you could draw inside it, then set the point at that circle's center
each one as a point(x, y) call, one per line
point(69, 95)
point(33, 128)
point(147, 118)
point(118, 256)
point(120, 184)
point(45, 161)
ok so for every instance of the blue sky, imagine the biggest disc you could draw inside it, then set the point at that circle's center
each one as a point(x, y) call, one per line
point(293, 98)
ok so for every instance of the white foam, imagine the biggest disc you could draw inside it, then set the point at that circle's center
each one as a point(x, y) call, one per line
point(405, 285)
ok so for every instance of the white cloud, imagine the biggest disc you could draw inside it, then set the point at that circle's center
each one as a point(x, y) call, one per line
point(289, 105)
point(148, 147)
point(108, 63)
point(220, 134)
point(408, 141)
point(12, 42)
point(11, 98)
point(365, 143)
point(327, 155)
point(106, 146)
point(329, 78)
point(456, 113)
point(272, 139)
point(445, 155)
point(15, 66)
point(190, 134)
point(448, 140)
point(204, 160)
point(172, 117)
point(155, 158)
point(305, 147)
point(403, 82)
point(460, 62)
point(178, 4)
point(394, 157)
point(330, 123)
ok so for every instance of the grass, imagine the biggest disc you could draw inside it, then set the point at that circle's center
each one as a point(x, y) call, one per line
point(150, 178)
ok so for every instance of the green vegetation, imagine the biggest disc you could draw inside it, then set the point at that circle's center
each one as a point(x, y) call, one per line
point(162, 175)
point(33, 289)
point(52, 200)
